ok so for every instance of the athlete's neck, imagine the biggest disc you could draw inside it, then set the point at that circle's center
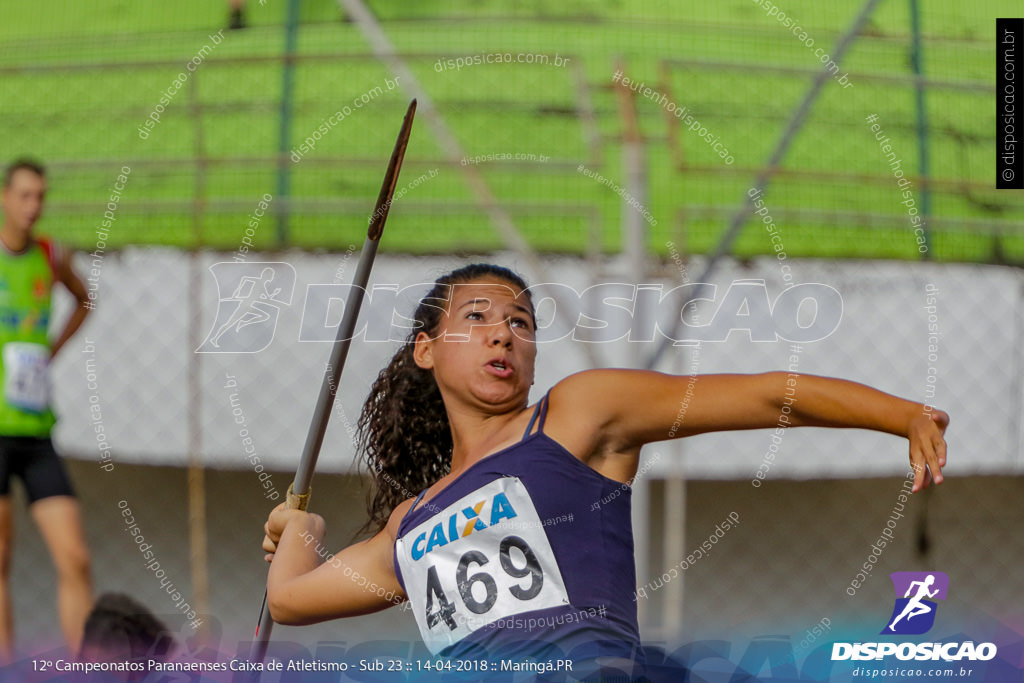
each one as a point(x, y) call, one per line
point(476, 435)
point(13, 240)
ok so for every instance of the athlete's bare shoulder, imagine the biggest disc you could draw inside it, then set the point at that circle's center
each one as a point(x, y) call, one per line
point(574, 418)
point(587, 395)
point(583, 409)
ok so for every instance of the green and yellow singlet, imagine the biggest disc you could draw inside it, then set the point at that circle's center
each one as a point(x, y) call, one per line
point(26, 279)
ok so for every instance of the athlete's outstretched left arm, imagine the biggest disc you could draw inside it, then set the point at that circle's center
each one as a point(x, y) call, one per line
point(632, 407)
point(67, 276)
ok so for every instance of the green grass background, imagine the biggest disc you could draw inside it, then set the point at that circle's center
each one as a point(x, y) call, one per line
point(78, 79)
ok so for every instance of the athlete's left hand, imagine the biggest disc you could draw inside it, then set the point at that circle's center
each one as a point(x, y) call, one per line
point(928, 447)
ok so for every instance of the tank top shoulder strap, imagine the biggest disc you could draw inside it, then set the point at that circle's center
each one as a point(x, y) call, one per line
point(415, 503)
point(540, 411)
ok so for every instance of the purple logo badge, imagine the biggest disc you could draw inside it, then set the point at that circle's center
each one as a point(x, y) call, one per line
point(916, 593)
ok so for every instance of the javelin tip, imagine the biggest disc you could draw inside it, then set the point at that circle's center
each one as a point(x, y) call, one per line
point(387, 189)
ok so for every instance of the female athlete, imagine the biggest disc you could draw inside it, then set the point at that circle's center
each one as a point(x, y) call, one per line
point(484, 553)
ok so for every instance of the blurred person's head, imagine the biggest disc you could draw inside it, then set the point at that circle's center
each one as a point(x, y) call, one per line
point(23, 194)
point(121, 629)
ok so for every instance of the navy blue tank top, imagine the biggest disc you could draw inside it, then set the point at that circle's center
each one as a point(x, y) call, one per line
point(529, 552)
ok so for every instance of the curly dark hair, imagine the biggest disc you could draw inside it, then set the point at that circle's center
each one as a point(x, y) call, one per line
point(403, 431)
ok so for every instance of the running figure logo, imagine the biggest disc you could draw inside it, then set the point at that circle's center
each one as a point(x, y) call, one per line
point(247, 319)
point(914, 613)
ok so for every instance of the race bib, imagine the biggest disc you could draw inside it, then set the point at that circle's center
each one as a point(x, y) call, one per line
point(27, 376)
point(482, 559)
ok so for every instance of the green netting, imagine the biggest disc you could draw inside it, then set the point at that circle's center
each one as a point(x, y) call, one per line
point(78, 86)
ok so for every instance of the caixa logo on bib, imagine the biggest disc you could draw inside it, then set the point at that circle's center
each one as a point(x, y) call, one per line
point(463, 523)
point(914, 613)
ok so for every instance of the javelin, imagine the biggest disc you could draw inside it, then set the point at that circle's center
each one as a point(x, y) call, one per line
point(298, 492)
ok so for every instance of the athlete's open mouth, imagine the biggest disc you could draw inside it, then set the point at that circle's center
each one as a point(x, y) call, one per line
point(500, 367)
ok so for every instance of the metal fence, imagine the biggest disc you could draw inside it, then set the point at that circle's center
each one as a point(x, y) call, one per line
point(519, 154)
point(511, 160)
point(804, 525)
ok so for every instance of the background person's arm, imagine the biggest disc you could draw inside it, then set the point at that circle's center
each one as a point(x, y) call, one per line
point(66, 275)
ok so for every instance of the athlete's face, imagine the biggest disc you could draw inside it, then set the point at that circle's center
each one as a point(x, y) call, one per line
point(484, 345)
point(23, 200)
